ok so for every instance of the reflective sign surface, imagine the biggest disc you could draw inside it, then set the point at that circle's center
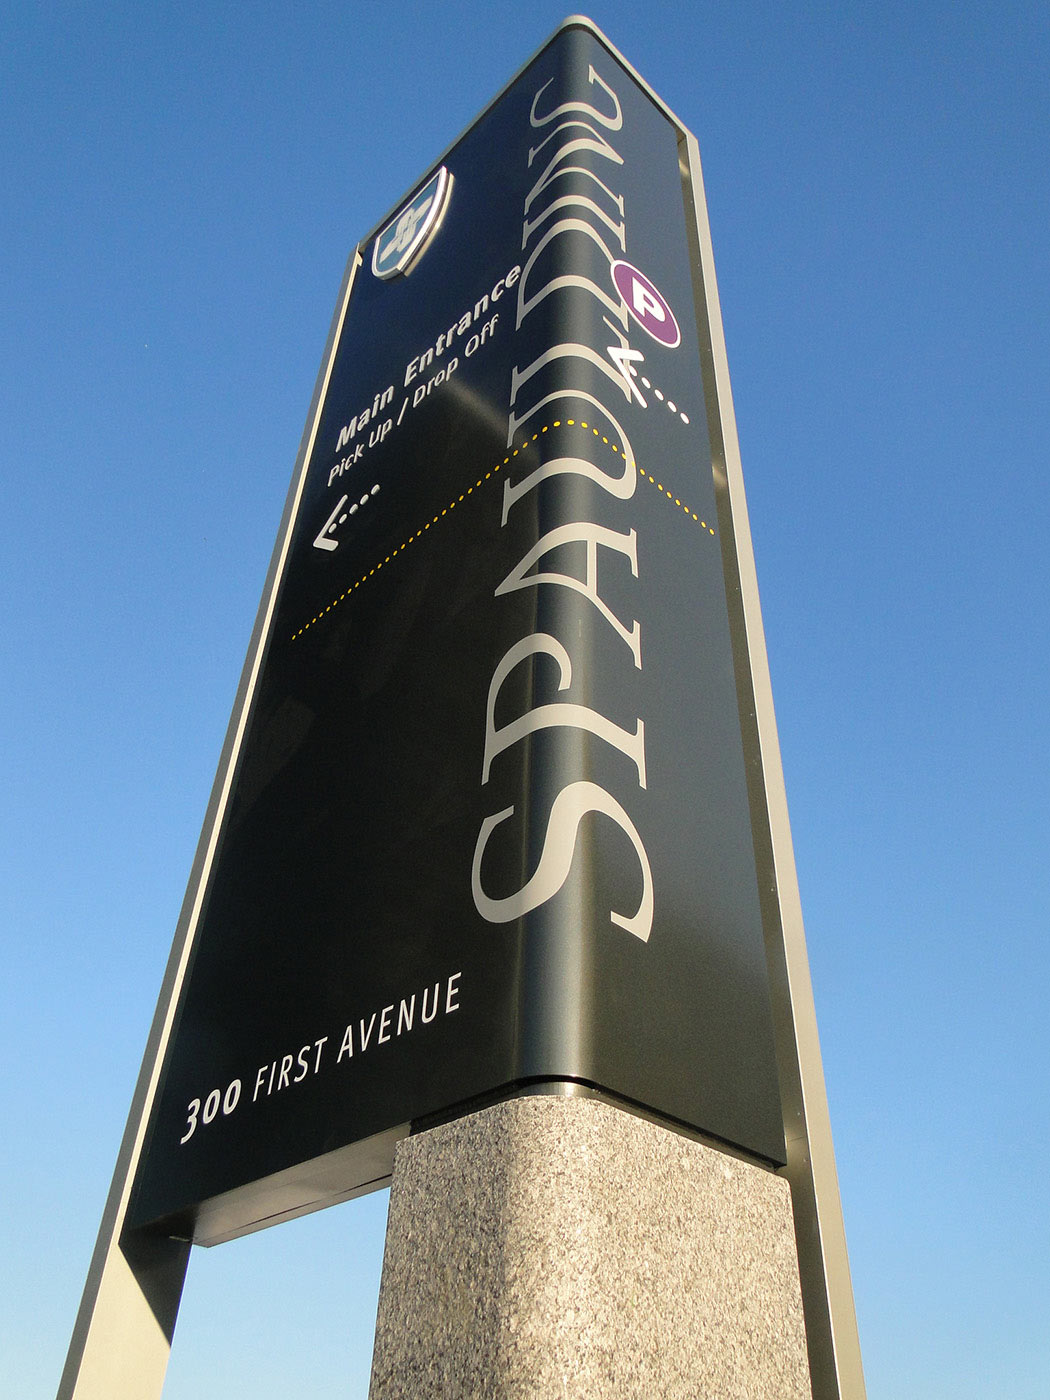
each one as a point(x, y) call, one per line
point(490, 823)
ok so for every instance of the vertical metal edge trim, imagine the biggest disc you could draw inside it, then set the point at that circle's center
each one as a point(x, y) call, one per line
point(129, 1154)
point(834, 1344)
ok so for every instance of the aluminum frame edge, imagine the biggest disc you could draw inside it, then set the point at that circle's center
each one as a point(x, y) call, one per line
point(827, 1292)
point(135, 1280)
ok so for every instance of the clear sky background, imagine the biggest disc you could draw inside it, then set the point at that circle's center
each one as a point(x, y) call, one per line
point(180, 186)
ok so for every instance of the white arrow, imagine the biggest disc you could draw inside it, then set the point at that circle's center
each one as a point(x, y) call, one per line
point(620, 356)
point(322, 541)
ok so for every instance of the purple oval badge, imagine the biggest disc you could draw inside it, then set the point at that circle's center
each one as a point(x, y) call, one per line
point(646, 304)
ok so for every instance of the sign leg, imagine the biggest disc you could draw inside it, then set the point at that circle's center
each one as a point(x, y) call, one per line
point(122, 1336)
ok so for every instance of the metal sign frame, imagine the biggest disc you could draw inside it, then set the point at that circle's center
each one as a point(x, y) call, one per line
point(124, 1328)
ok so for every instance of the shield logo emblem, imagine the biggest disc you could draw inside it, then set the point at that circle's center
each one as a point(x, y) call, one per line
point(400, 245)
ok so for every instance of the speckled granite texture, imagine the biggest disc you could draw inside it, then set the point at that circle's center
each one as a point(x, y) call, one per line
point(559, 1247)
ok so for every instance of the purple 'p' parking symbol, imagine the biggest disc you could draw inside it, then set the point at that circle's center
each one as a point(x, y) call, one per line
point(646, 304)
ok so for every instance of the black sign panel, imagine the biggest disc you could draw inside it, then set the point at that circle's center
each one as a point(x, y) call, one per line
point(489, 824)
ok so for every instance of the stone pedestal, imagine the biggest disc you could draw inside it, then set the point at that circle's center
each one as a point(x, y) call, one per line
point(560, 1247)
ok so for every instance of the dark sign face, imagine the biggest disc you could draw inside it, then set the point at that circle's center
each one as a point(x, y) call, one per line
point(489, 824)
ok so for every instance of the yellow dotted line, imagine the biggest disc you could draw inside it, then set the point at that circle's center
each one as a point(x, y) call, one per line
point(400, 548)
point(569, 423)
point(672, 497)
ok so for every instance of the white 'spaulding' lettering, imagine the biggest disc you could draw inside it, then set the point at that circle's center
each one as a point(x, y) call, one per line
point(569, 808)
point(590, 535)
point(614, 123)
point(581, 801)
point(547, 716)
point(622, 486)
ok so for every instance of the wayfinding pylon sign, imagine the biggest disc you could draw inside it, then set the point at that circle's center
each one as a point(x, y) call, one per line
point(500, 806)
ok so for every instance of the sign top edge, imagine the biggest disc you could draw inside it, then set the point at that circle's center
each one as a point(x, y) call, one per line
point(570, 22)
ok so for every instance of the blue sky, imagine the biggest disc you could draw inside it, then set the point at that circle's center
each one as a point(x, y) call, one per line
point(180, 186)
